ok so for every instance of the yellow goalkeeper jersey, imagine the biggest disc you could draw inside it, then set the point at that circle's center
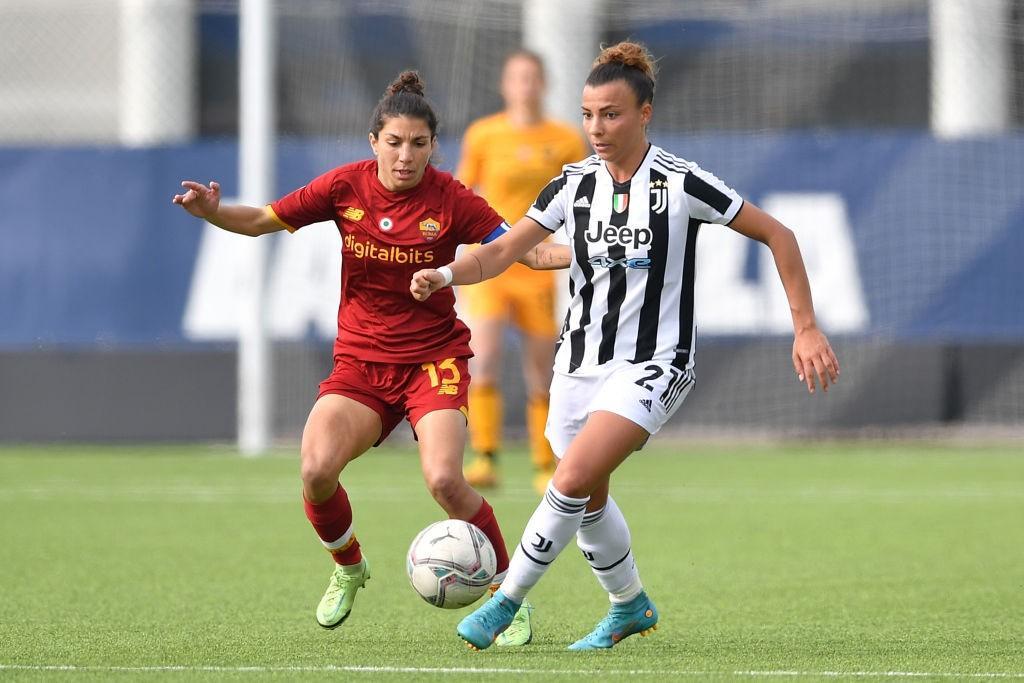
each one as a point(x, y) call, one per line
point(509, 165)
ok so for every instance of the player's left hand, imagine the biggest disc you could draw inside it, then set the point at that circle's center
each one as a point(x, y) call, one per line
point(812, 356)
point(424, 283)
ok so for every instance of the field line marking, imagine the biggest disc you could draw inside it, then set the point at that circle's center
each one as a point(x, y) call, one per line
point(499, 670)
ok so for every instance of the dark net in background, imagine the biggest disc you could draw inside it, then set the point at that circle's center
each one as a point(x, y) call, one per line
point(781, 99)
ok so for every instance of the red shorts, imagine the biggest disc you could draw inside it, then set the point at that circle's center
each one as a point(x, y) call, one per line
point(397, 390)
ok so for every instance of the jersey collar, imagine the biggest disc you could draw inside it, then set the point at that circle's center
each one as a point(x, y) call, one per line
point(627, 181)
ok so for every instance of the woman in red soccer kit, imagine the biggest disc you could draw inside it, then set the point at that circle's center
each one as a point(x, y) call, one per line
point(393, 357)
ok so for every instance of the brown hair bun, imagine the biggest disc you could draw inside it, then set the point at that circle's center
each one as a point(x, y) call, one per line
point(628, 54)
point(407, 81)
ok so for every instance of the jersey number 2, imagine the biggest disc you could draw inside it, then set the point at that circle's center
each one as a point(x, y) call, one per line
point(656, 372)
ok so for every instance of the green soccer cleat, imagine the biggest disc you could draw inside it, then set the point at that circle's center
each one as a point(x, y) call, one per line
point(480, 628)
point(639, 615)
point(336, 604)
point(520, 631)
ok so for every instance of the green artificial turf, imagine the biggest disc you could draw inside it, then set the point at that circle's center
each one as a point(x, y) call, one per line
point(796, 561)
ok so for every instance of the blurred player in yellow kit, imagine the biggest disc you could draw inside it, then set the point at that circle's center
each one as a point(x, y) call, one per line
point(508, 158)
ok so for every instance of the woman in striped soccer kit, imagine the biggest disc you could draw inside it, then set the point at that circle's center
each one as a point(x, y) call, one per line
point(624, 362)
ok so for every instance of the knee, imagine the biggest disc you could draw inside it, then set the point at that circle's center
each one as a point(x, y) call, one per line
point(319, 478)
point(572, 482)
point(445, 487)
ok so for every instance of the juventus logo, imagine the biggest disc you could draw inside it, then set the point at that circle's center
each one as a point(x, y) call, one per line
point(541, 545)
point(659, 196)
point(589, 555)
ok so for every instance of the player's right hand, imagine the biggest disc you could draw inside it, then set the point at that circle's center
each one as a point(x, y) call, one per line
point(199, 200)
point(424, 283)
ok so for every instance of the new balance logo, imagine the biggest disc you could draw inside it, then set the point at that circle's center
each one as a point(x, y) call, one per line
point(646, 403)
point(353, 214)
point(541, 545)
point(582, 203)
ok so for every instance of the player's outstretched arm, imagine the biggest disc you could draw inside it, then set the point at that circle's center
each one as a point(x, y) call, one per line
point(204, 202)
point(547, 256)
point(812, 354)
point(481, 264)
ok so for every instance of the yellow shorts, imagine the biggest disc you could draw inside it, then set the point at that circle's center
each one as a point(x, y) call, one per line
point(526, 299)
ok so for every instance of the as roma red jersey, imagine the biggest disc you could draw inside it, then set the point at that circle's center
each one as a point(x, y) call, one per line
point(385, 238)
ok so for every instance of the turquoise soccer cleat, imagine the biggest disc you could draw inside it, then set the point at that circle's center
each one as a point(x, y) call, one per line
point(639, 615)
point(337, 602)
point(480, 628)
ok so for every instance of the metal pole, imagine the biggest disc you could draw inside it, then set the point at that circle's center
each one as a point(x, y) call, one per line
point(256, 160)
point(157, 65)
point(970, 67)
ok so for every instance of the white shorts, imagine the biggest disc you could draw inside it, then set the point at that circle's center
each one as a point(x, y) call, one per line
point(645, 393)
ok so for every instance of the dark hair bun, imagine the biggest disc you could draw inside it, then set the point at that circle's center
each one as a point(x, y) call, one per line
point(407, 81)
point(628, 54)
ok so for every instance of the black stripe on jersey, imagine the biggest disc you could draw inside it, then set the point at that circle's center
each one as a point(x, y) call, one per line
point(616, 284)
point(650, 311)
point(581, 218)
point(580, 166)
point(682, 358)
point(565, 323)
point(549, 192)
point(698, 188)
point(670, 158)
point(671, 163)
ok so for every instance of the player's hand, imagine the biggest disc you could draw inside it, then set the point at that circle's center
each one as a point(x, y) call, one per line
point(424, 283)
point(813, 357)
point(199, 200)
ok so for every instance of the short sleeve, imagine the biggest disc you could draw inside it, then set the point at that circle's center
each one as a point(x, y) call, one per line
point(474, 218)
point(471, 161)
point(550, 208)
point(710, 200)
point(311, 203)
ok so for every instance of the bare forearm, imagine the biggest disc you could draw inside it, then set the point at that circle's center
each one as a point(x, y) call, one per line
point(481, 264)
point(547, 256)
point(794, 278)
point(494, 257)
point(243, 220)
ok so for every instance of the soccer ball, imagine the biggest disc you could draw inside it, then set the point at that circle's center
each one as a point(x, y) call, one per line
point(451, 564)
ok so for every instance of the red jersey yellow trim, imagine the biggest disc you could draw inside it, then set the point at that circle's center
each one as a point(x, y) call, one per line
point(274, 217)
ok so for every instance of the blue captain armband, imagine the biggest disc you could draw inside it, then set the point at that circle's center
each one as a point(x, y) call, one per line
point(496, 233)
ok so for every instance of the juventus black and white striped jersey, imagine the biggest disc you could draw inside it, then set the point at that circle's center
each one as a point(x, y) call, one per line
point(633, 243)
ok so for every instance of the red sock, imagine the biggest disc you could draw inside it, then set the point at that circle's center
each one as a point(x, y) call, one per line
point(485, 520)
point(332, 520)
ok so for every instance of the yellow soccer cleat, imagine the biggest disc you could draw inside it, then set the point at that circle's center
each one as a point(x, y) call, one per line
point(337, 602)
point(520, 631)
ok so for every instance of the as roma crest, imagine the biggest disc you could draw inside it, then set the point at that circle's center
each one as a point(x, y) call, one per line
point(430, 229)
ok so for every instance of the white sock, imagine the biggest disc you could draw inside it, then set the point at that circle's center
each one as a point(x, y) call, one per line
point(605, 541)
point(549, 530)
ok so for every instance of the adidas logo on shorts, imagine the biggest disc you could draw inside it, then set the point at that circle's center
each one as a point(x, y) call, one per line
point(646, 403)
point(582, 203)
